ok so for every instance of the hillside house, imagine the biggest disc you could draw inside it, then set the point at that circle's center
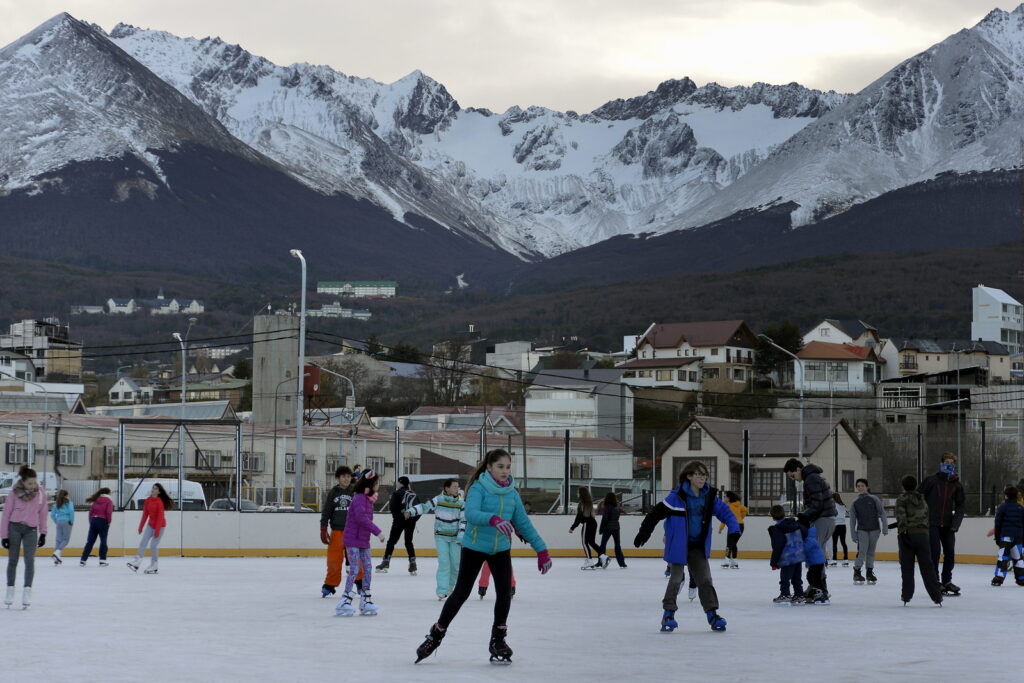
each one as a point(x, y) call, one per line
point(843, 368)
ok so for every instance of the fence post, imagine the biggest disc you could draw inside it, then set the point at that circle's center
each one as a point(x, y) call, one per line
point(746, 468)
point(565, 499)
point(920, 455)
point(981, 479)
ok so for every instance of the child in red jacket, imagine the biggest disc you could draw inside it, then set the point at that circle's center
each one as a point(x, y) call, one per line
point(153, 513)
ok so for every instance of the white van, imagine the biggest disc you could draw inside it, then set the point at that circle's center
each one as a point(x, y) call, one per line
point(193, 497)
point(47, 481)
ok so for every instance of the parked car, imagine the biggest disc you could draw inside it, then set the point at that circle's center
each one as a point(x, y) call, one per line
point(231, 504)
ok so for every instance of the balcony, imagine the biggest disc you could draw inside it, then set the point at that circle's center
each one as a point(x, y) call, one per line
point(908, 365)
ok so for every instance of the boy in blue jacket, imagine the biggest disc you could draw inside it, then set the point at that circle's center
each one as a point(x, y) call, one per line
point(787, 556)
point(1009, 533)
point(687, 511)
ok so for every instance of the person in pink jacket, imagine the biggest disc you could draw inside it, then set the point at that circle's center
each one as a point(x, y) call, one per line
point(23, 526)
point(101, 514)
point(358, 528)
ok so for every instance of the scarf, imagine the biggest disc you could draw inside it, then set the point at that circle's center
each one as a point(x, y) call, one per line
point(24, 493)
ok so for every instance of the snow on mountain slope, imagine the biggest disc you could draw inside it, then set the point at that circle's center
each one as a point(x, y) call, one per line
point(958, 106)
point(67, 94)
point(536, 181)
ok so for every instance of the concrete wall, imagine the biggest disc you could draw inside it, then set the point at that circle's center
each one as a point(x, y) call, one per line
point(230, 534)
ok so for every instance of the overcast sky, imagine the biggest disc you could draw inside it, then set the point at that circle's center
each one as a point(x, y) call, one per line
point(563, 54)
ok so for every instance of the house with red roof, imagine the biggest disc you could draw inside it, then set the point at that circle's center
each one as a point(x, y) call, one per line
point(838, 368)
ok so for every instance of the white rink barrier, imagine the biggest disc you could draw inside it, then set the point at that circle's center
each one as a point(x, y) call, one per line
point(265, 534)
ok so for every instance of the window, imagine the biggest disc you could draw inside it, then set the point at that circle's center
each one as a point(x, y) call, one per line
point(208, 459)
point(375, 464)
point(289, 462)
point(679, 352)
point(815, 372)
point(823, 332)
point(714, 352)
point(167, 457)
point(693, 375)
point(579, 470)
point(16, 453)
point(663, 375)
point(895, 419)
point(643, 373)
point(695, 438)
point(767, 484)
point(869, 372)
point(72, 455)
point(254, 462)
point(847, 480)
point(838, 372)
point(710, 373)
point(110, 456)
point(410, 466)
point(737, 373)
point(115, 396)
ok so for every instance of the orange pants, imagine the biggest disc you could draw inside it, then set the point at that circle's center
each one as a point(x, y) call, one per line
point(336, 558)
point(485, 576)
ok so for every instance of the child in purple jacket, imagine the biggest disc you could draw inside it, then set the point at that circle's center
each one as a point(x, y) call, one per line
point(358, 528)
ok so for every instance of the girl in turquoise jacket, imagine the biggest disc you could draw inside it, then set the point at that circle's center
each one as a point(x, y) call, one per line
point(493, 512)
point(63, 515)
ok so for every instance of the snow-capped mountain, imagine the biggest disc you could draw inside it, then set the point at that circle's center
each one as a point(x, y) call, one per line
point(958, 106)
point(535, 180)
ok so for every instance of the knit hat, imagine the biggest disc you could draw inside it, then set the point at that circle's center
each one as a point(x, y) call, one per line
point(403, 480)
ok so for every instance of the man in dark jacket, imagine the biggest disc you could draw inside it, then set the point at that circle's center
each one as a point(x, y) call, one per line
point(334, 515)
point(402, 498)
point(819, 506)
point(944, 495)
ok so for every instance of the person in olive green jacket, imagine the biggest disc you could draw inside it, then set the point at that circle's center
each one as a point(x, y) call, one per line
point(912, 521)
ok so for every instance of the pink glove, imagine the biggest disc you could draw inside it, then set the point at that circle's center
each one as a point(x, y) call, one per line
point(543, 561)
point(502, 525)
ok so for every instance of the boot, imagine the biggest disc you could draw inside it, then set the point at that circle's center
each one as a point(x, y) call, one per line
point(26, 596)
point(56, 557)
point(366, 606)
point(691, 592)
point(858, 578)
point(152, 568)
point(872, 580)
point(482, 590)
point(432, 642)
point(602, 561)
point(384, 565)
point(9, 596)
point(716, 622)
point(501, 653)
point(344, 607)
point(668, 621)
point(997, 581)
point(133, 563)
point(412, 566)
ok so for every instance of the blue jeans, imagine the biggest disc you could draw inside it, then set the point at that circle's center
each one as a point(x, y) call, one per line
point(63, 534)
point(97, 527)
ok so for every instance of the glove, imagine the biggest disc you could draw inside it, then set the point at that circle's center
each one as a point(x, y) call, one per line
point(42, 540)
point(324, 538)
point(502, 525)
point(5, 543)
point(543, 561)
point(640, 540)
point(380, 537)
point(775, 569)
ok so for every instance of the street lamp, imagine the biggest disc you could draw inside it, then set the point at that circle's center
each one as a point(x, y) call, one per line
point(800, 446)
point(300, 375)
point(956, 352)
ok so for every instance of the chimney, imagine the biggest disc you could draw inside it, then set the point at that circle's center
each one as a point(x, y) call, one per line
point(472, 328)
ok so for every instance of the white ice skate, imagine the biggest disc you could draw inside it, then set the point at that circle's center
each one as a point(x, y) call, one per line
point(56, 557)
point(9, 596)
point(151, 569)
point(26, 597)
point(366, 606)
point(590, 564)
point(344, 607)
point(691, 593)
point(133, 563)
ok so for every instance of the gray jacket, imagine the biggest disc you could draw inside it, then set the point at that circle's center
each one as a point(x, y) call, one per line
point(865, 514)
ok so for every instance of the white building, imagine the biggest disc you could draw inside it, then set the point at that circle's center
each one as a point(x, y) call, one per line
point(14, 366)
point(129, 390)
point(837, 368)
point(359, 288)
point(997, 316)
point(121, 306)
point(589, 403)
point(49, 345)
point(515, 356)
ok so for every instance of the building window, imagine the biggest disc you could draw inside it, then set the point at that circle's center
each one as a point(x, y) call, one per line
point(208, 459)
point(823, 331)
point(847, 480)
point(896, 419)
point(16, 453)
point(110, 456)
point(289, 463)
point(410, 466)
point(375, 464)
point(679, 352)
point(166, 457)
point(869, 373)
point(737, 373)
point(693, 375)
point(695, 439)
point(72, 455)
point(115, 396)
point(838, 372)
point(579, 470)
point(254, 462)
point(768, 484)
point(663, 375)
point(710, 373)
point(815, 372)
point(714, 352)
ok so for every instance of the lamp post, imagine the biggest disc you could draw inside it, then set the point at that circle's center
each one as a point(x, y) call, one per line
point(181, 414)
point(300, 375)
point(956, 353)
point(800, 446)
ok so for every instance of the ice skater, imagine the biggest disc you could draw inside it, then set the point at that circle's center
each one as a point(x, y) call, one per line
point(867, 522)
point(687, 511)
point(23, 528)
point(151, 527)
point(494, 512)
point(912, 536)
point(63, 517)
point(101, 514)
point(787, 537)
point(1009, 535)
point(358, 528)
point(609, 528)
point(945, 497)
point(839, 534)
point(819, 507)
point(449, 525)
point(402, 498)
point(739, 510)
point(334, 514)
point(585, 517)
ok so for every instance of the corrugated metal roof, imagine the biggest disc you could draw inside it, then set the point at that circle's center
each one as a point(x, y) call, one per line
point(196, 410)
point(767, 437)
point(660, 362)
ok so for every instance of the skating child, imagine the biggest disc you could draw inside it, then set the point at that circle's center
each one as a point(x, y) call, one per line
point(610, 528)
point(912, 522)
point(585, 516)
point(334, 515)
point(867, 521)
point(1009, 534)
point(63, 517)
point(101, 514)
point(358, 528)
point(688, 510)
point(839, 535)
point(739, 510)
point(402, 498)
point(449, 524)
point(494, 512)
point(154, 522)
point(23, 528)
point(787, 538)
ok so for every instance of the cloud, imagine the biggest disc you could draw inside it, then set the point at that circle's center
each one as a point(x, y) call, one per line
point(566, 54)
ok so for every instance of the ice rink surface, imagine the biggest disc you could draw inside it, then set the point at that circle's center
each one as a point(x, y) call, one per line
point(262, 619)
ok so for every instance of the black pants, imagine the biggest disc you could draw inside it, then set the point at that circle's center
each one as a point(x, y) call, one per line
point(97, 527)
point(942, 538)
point(790, 577)
point(588, 534)
point(731, 542)
point(470, 563)
point(916, 546)
point(839, 536)
point(399, 526)
point(614, 534)
point(816, 577)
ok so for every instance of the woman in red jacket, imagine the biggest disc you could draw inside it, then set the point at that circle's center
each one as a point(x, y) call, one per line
point(153, 513)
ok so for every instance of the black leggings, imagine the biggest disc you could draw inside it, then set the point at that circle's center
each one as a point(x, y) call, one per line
point(731, 542)
point(399, 526)
point(839, 536)
point(470, 563)
point(589, 535)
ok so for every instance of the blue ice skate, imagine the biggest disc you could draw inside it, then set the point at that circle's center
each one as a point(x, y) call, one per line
point(717, 622)
point(668, 622)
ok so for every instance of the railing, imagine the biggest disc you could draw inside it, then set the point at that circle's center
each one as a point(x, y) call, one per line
point(908, 365)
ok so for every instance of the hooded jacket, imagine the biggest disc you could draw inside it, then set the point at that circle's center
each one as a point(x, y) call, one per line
point(64, 513)
point(945, 497)
point(360, 524)
point(674, 509)
point(449, 515)
point(102, 507)
point(1009, 521)
point(818, 501)
point(609, 519)
point(912, 513)
point(486, 499)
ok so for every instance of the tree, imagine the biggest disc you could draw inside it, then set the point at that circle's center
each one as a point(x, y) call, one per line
point(447, 372)
point(243, 369)
point(768, 359)
point(373, 345)
point(405, 353)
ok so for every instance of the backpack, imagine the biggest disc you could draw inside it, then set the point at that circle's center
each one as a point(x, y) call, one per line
point(793, 552)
